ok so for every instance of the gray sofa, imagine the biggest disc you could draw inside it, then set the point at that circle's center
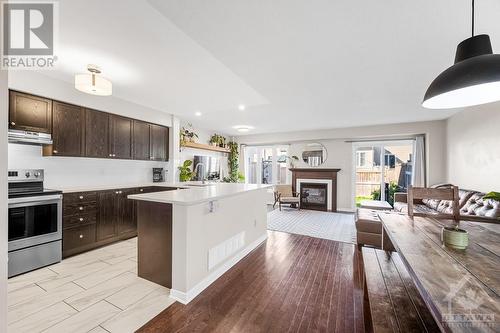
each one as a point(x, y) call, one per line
point(472, 205)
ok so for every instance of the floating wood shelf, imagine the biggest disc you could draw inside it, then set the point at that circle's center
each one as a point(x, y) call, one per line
point(204, 147)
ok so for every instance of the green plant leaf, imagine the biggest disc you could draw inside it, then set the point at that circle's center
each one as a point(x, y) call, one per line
point(492, 195)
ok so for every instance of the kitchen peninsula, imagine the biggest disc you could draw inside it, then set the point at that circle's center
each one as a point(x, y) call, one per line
point(189, 237)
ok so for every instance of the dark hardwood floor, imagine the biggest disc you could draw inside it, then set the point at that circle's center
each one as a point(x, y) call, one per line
point(290, 283)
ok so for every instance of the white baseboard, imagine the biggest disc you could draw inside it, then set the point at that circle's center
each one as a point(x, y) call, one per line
point(186, 297)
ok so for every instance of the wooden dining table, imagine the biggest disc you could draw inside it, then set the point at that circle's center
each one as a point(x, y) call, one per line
point(460, 287)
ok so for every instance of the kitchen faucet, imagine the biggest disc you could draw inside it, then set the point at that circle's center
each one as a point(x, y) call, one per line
point(203, 172)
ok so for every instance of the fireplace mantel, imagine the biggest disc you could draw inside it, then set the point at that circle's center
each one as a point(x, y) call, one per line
point(327, 174)
point(315, 170)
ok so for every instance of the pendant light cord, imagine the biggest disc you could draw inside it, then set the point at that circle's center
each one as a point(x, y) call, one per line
point(472, 18)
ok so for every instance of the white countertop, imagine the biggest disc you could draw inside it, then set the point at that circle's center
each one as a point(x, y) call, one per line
point(190, 195)
point(118, 186)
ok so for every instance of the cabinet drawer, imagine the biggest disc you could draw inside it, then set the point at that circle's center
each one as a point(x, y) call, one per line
point(78, 220)
point(80, 236)
point(79, 208)
point(70, 198)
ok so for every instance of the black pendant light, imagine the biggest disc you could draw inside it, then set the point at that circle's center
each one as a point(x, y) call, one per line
point(474, 78)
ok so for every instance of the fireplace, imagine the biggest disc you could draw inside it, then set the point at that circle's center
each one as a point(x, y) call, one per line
point(322, 183)
point(314, 196)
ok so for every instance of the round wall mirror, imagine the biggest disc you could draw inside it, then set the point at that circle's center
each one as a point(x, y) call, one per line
point(314, 154)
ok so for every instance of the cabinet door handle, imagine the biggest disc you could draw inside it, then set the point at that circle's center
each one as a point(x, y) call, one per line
point(81, 219)
point(110, 155)
point(13, 123)
point(120, 192)
point(141, 190)
point(81, 197)
point(54, 151)
point(80, 208)
point(81, 236)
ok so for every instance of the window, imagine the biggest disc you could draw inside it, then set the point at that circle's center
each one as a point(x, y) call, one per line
point(390, 161)
point(267, 165)
point(361, 158)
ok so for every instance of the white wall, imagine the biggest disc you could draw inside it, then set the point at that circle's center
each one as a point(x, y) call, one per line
point(204, 137)
point(63, 172)
point(3, 200)
point(474, 148)
point(340, 151)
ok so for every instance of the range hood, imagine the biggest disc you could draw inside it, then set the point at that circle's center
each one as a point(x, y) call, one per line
point(29, 138)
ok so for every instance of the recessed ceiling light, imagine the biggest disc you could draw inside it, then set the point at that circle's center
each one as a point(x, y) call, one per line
point(197, 114)
point(243, 128)
point(241, 107)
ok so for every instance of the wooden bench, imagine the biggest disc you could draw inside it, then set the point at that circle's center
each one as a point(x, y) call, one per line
point(391, 299)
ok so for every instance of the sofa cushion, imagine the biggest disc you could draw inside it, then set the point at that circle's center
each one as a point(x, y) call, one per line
point(433, 203)
point(367, 220)
point(445, 206)
point(417, 208)
point(401, 207)
point(478, 206)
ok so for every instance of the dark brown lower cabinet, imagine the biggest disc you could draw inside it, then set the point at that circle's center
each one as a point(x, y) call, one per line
point(127, 213)
point(96, 218)
point(107, 202)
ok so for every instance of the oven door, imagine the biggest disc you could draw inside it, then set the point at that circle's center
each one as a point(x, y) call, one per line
point(34, 220)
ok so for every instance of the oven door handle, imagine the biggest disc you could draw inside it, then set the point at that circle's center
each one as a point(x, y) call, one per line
point(40, 198)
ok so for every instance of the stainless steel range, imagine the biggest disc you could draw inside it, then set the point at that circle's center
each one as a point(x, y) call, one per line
point(35, 222)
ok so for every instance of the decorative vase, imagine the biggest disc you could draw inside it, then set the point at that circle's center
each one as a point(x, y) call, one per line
point(455, 238)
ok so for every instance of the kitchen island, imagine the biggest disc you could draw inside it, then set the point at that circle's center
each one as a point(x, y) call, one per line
point(189, 237)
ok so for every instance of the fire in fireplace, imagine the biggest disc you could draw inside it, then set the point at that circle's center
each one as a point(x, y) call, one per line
point(314, 196)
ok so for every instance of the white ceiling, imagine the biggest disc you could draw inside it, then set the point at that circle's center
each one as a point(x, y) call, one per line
point(297, 65)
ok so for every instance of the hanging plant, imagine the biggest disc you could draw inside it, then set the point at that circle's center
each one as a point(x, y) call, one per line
point(187, 134)
point(232, 160)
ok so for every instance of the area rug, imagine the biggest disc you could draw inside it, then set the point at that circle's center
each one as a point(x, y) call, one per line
point(334, 226)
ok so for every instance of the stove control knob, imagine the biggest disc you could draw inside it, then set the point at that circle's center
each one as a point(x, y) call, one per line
point(36, 174)
point(27, 175)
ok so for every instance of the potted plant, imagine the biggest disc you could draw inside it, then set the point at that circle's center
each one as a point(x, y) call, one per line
point(222, 142)
point(188, 134)
point(185, 171)
point(292, 160)
point(214, 140)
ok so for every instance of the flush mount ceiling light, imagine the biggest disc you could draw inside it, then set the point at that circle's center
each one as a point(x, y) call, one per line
point(241, 107)
point(197, 114)
point(92, 83)
point(474, 79)
point(243, 128)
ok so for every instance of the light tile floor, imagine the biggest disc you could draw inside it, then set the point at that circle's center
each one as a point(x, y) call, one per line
point(97, 291)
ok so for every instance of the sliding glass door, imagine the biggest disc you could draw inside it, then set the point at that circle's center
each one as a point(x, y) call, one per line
point(381, 169)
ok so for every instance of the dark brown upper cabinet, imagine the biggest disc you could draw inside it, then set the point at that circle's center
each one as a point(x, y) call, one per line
point(141, 140)
point(159, 143)
point(30, 113)
point(78, 131)
point(120, 137)
point(68, 131)
point(97, 134)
